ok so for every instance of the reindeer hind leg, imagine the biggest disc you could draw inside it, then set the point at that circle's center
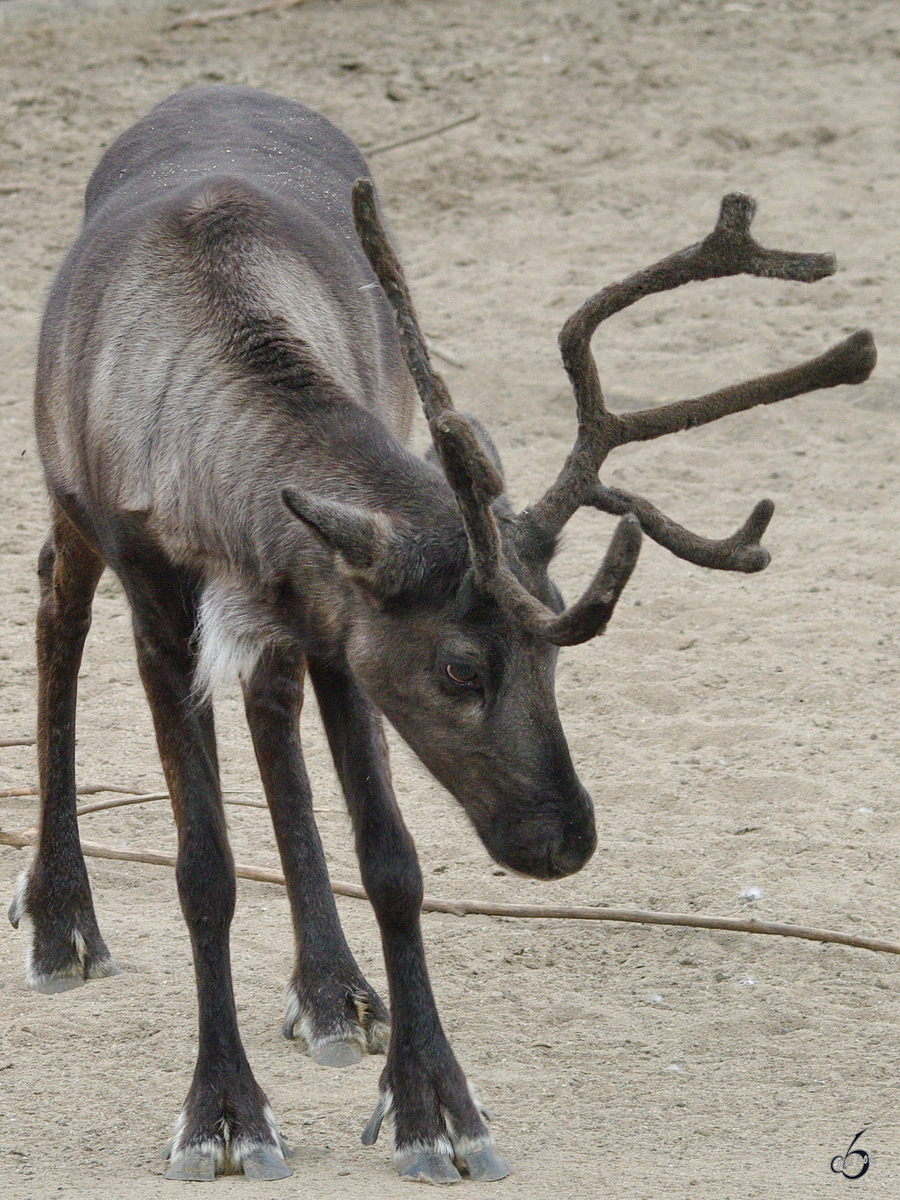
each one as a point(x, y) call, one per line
point(332, 1011)
point(53, 896)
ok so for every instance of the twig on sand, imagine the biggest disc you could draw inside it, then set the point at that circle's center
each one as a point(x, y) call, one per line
point(420, 137)
point(463, 908)
point(22, 741)
point(128, 796)
point(440, 352)
point(100, 805)
point(90, 789)
point(192, 20)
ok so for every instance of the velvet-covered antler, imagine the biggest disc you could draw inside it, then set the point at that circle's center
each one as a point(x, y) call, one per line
point(474, 478)
point(728, 250)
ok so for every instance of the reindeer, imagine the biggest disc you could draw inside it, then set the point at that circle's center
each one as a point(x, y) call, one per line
point(226, 378)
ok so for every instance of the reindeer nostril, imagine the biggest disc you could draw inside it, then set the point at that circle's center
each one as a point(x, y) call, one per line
point(549, 838)
point(574, 846)
point(569, 858)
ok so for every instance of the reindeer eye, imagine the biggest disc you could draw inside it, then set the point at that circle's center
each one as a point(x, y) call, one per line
point(462, 674)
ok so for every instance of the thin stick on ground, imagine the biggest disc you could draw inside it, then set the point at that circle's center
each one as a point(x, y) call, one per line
point(463, 908)
point(192, 20)
point(437, 351)
point(420, 137)
point(100, 805)
point(22, 741)
point(90, 789)
point(119, 802)
point(128, 797)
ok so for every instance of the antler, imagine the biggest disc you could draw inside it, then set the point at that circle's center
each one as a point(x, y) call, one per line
point(728, 250)
point(474, 478)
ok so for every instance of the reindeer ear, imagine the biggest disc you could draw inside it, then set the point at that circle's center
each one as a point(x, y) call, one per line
point(367, 542)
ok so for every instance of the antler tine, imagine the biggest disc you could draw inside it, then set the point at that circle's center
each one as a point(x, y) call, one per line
point(473, 477)
point(475, 489)
point(728, 250)
point(740, 552)
point(431, 388)
point(850, 361)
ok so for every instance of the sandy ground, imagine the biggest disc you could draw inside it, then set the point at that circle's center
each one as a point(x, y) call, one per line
point(735, 732)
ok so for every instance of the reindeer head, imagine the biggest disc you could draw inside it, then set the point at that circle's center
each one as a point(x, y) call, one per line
point(470, 682)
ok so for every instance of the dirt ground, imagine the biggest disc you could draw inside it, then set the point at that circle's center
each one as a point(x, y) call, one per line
point(737, 733)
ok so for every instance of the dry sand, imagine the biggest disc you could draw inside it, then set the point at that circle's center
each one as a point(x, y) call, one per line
point(735, 732)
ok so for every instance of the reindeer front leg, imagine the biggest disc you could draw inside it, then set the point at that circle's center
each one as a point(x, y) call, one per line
point(330, 1005)
point(226, 1124)
point(438, 1124)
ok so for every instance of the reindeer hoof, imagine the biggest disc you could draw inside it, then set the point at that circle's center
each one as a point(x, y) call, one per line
point(52, 985)
point(426, 1166)
point(343, 1052)
point(73, 976)
point(57, 962)
point(373, 1125)
point(485, 1165)
point(265, 1164)
point(437, 1160)
point(194, 1165)
point(337, 1043)
point(200, 1165)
